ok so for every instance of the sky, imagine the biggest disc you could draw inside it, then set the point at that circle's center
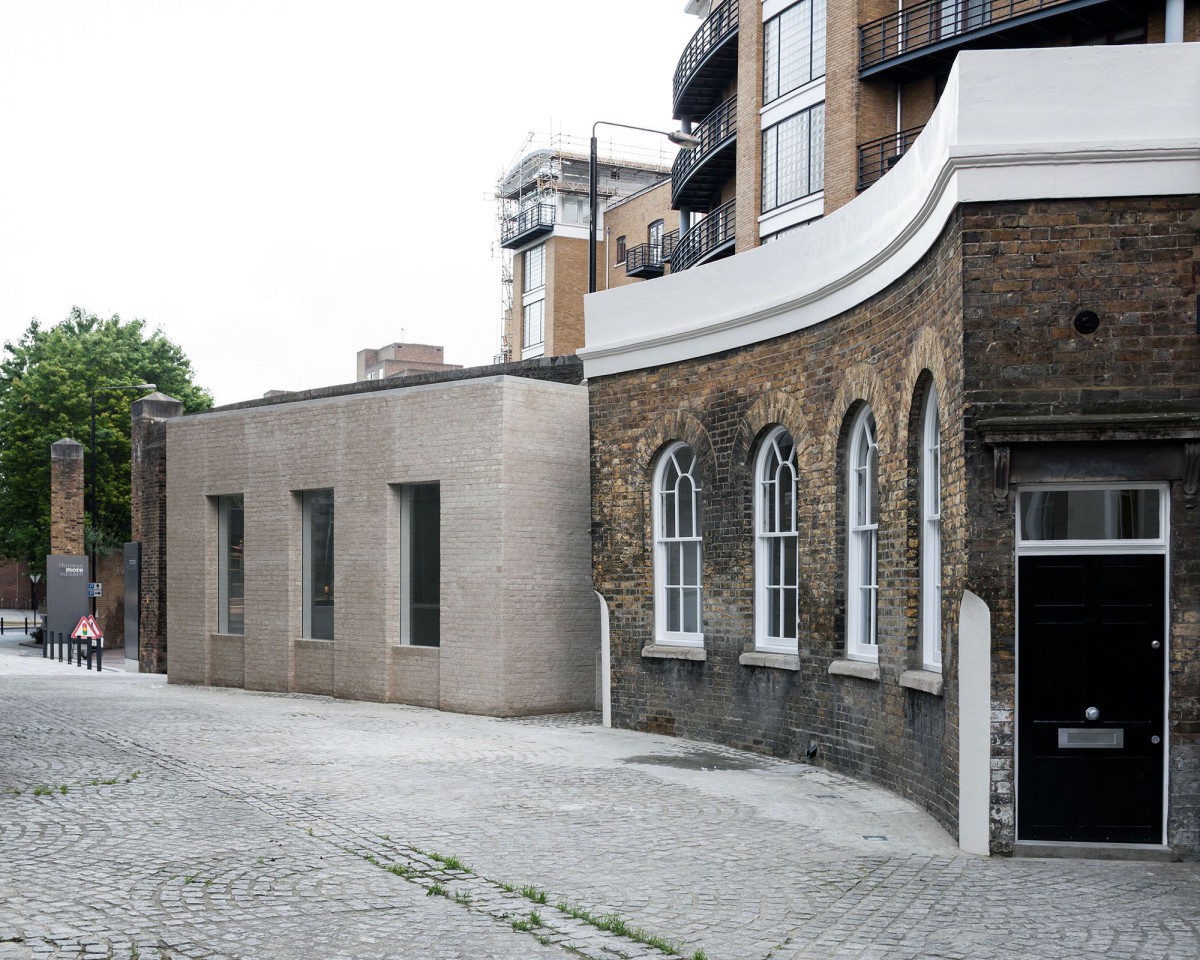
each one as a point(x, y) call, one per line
point(278, 184)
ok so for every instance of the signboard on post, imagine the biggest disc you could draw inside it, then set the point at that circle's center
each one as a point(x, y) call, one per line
point(95, 589)
point(87, 632)
point(66, 596)
point(86, 629)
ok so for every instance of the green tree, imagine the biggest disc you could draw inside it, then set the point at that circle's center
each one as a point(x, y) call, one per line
point(46, 382)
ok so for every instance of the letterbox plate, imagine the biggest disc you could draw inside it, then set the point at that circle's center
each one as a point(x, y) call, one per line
point(1089, 738)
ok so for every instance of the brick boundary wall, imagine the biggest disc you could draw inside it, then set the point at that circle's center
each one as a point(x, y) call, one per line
point(149, 521)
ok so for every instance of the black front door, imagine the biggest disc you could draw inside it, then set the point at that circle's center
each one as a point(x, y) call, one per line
point(1090, 698)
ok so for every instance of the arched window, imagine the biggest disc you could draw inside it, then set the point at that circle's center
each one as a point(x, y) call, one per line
point(862, 540)
point(677, 548)
point(776, 568)
point(931, 533)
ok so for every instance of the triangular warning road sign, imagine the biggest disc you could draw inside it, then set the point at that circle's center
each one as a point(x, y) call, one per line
point(86, 629)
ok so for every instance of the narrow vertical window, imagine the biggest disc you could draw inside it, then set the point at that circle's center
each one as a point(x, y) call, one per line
point(318, 564)
point(862, 541)
point(231, 570)
point(677, 548)
point(533, 303)
point(420, 564)
point(776, 562)
point(621, 250)
point(534, 327)
point(931, 534)
point(654, 236)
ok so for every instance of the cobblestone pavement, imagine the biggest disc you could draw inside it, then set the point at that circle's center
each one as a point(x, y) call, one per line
point(144, 820)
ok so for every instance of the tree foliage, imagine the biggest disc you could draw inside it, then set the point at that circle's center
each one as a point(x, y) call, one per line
point(46, 383)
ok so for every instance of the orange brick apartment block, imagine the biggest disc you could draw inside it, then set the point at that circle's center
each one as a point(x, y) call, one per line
point(544, 223)
point(801, 105)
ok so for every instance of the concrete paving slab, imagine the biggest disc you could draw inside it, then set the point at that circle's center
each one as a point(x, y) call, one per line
point(141, 819)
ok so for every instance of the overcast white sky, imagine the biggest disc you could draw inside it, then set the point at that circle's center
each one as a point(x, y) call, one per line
point(277, 184)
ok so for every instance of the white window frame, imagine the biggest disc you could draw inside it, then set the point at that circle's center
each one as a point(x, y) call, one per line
point(862, 539)
point(533, 301)
point(1032, 546)
point(531, 347)
point(667, 517)
point(776, 536)
point(931, 533)
point(534, 279)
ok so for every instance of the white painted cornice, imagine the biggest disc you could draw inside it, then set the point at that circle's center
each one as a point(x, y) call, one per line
point(1058, 123)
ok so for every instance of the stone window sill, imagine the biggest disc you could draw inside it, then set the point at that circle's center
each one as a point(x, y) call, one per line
point(666, 652)
point(862, 669)
point(315, 640)
point(415, 650)
point(924, 680)
point(775, 661)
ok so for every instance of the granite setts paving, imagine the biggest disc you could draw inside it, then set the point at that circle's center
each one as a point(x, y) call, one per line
point(146, 820)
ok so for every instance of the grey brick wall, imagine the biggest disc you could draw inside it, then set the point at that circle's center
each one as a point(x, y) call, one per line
point(519, 629)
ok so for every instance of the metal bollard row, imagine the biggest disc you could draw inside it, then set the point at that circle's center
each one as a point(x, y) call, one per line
point(55, 640)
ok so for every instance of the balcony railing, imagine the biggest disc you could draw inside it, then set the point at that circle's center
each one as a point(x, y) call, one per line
point(720, 26)
point(644, 260)
point(708, 237)
point(715, 132)
point(924, 24)
point(531, 222)
point(877, 157)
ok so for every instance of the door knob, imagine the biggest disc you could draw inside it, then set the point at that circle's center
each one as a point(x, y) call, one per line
point(1092, 713)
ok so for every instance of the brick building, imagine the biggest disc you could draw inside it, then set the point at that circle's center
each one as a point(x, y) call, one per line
point(398, 360)
point(544, 208)
point(421, 540)
point(912, 491)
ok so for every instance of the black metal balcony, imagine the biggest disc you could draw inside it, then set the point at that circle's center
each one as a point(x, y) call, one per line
point(532, 222)
point(877, 157)
point(709, 239)
point(925, 37)
point(645, 260)
point(708, 63)
point(697, 175)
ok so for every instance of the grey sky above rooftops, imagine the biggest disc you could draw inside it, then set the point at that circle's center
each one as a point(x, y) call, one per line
point(278, 185)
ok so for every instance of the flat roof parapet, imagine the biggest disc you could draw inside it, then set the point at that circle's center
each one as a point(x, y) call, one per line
point(565, 369)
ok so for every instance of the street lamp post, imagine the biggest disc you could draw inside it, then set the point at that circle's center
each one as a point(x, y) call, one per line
point(677, 137)
point(95, 499)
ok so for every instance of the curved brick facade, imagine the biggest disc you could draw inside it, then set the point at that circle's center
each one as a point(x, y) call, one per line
point(986, 316)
